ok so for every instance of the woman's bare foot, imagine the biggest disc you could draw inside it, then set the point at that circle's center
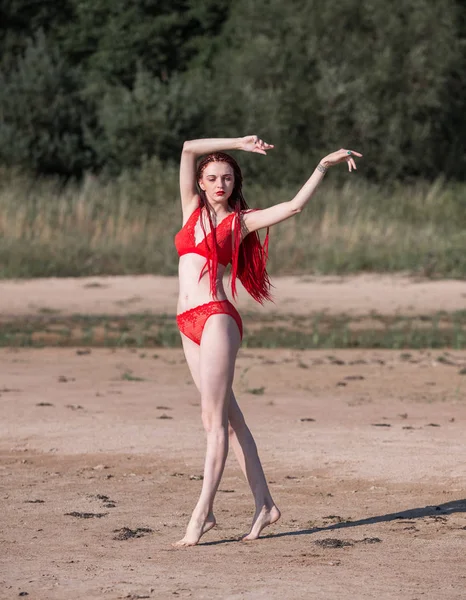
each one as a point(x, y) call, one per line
point(263, 517)
point(195, 530)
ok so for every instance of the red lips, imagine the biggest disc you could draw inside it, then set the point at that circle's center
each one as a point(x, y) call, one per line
point(220, 193)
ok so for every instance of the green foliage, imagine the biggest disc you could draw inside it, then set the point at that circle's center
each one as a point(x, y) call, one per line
point(21, 20)
point(111, 39)
point(315, 76)
point(42, 113)
point(149, 119)
point(123, 81)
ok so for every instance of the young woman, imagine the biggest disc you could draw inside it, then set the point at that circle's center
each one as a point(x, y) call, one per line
point(219, 229)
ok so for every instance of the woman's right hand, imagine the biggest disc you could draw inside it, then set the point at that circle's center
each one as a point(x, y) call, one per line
point(252, 143)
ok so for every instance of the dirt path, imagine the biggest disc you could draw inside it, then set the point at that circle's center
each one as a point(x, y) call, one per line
point(101, 454)
point(300, 295)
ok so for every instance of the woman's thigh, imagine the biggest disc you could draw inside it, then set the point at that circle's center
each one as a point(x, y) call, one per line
point(220, 343)
point(192, 353)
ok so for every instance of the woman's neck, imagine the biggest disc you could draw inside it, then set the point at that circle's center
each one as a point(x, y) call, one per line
point(217, 208)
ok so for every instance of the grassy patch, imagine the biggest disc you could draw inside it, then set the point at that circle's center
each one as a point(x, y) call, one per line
point(256, 391)
point(126, 226)
point(128, 376)
point(442, 330)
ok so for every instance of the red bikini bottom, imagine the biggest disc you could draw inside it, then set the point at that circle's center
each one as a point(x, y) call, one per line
point(192, 322)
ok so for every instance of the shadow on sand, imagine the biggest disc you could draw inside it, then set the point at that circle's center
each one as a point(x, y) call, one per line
point(456, 506)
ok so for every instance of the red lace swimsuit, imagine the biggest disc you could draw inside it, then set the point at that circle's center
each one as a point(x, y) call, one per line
point(192, 322)
point(185, 240)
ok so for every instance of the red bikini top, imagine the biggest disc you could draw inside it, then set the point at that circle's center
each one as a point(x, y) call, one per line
point(185, 241)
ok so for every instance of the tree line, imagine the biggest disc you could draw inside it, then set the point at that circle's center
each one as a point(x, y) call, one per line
point(103, 85)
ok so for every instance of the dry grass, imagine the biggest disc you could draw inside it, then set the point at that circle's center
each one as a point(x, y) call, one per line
point(316, 330)
point(127, 226)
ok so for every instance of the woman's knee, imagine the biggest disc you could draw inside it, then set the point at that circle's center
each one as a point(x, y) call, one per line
point(212, 421)
point(235, 416)
point(231, 431)
point(236, 424)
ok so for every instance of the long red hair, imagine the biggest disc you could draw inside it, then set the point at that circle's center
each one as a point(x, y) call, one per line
point(249, 255)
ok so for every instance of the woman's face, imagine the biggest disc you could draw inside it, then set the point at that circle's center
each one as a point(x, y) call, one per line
point(217, 181)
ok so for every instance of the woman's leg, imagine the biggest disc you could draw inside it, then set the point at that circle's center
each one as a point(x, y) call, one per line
point(217, 355)
point(245, 449)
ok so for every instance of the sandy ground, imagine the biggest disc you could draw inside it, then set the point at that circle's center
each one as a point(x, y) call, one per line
point(101, 453)
point(362, 294)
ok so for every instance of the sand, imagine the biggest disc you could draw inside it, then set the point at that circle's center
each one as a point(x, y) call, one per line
point(101, 453)
point(356, 295)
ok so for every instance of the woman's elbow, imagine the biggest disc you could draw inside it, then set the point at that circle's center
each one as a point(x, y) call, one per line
point(188, 146)
point(295, 210)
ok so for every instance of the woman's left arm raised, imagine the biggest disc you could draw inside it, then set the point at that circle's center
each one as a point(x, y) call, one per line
point(259, 219)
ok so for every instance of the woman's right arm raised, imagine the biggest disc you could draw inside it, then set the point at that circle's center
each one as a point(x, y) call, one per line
point(192, 149)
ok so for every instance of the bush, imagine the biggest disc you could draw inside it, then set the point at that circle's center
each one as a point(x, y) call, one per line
point(42, 113)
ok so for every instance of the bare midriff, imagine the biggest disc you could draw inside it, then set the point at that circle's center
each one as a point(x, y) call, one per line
point(192, 291)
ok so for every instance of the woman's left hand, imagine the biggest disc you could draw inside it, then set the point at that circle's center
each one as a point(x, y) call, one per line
point(342, 155)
